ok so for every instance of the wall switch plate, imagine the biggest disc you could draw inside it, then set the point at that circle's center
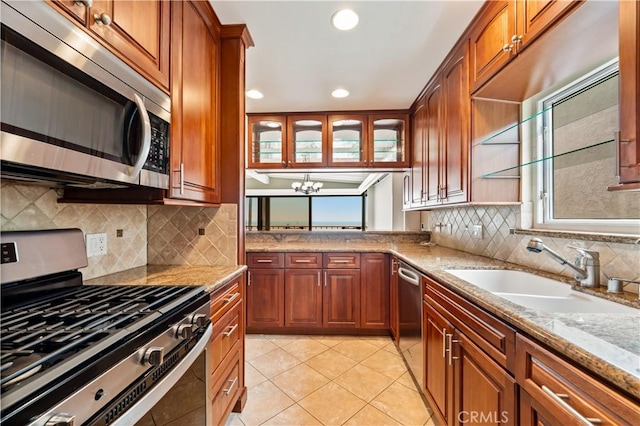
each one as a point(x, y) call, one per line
point(96, 244)
point(476, 232)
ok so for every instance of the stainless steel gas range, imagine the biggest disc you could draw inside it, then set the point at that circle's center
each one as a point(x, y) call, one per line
point(73, 354)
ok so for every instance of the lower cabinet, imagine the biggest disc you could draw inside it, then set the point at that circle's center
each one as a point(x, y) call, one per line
point(225, 353)
point(464, 384)
point(306, 291)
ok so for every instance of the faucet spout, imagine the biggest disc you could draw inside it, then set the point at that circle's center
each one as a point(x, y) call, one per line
point(588, 276)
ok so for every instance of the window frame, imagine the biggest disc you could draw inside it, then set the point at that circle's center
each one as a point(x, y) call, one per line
point(543, 148)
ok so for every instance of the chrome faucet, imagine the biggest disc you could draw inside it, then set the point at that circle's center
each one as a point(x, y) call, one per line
point(586, 265)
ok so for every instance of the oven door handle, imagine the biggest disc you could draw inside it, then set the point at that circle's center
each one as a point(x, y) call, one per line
point(146, 403)
point(409, 276)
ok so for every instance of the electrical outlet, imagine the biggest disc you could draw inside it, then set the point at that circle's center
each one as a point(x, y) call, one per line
point(448, 228)
point(476, 232)
point(96, 244)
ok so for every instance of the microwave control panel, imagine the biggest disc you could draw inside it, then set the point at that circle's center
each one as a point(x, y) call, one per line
point(158, 160)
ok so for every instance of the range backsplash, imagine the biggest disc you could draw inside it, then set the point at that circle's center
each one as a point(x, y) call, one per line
point(616, 259)
point(29, 207)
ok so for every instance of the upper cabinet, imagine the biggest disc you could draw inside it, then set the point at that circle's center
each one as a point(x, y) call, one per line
point(138, 32)
point(354, 140)
point(629, 141)
point(504, 28)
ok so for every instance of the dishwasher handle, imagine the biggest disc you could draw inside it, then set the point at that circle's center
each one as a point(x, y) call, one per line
point(409, 276)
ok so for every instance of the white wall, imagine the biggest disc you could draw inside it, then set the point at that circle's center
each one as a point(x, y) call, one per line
point(384, 211)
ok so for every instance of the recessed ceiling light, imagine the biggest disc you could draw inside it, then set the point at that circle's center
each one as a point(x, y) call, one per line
point(255, 94)
point(345, 19)
point(340, 93)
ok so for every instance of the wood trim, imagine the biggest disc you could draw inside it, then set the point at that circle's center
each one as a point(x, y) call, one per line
point(336, 112)
point(237, 31)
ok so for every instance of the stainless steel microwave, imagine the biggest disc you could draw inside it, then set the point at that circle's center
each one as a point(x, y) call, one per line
point(72, 112)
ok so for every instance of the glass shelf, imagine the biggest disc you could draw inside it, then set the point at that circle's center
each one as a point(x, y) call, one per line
point(493, 139)
point(510, 172)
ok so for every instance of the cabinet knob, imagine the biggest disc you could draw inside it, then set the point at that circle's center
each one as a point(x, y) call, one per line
point(102, 19)
point(507, 48)
point(86, 3)
point(515, 39)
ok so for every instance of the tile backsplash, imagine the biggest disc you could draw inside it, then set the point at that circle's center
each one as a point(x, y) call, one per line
point(619, 260)
point(193, 235)
point(28, 207)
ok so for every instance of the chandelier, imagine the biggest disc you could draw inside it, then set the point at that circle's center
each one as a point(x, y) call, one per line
point(307, 186)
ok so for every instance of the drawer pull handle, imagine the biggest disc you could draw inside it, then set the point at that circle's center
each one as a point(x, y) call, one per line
point(228, 390)
point(303, 260)
point(558, 399)
point(444, 343)
point(231, 298)
point(265, 260)
point(340, 261)
point(450, 350)
point(231, 330)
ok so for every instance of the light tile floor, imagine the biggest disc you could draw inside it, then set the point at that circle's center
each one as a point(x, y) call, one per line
point(328, 380)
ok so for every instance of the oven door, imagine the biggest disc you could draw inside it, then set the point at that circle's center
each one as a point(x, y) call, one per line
point(180, 395)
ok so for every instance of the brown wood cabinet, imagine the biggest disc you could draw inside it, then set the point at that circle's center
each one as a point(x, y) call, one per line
point(137, 32)
point(341, 298)
point(555, 392)
point(503, 29)
point(468, 358)
point(629, 51)
point(226, 390)
point(195, 144)
point(374, 291)
point(418, 147)
point(265, 298)
point(303, 298)
point(316, 140)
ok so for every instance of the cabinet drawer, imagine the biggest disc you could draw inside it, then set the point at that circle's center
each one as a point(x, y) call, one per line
point(226, 333)
point(341, 260)
point(223, 299)
point(303, 260)
point(489, 333)
point(265, 260)
point(225, 391)
point(561, 391)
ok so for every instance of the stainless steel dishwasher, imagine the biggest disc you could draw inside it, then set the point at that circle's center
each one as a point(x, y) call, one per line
point(410, 316)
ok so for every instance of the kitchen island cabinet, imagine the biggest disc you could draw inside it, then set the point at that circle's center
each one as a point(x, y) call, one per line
point(303, 298)
point(374, 291)
point(265, 298)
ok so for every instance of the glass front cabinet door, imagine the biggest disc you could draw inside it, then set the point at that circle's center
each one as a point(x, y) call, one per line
point(267, 145)
point(388, 145)
point(347, 140)
point(307, 136)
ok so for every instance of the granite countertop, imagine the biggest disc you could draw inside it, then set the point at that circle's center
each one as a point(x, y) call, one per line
point(606, 344)
point(212, 277)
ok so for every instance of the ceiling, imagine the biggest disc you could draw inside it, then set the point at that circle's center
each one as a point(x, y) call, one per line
point(299, 58)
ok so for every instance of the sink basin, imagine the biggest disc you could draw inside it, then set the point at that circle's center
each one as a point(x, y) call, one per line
point(539, 293)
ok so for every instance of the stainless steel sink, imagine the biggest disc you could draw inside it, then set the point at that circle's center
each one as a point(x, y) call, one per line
point(539, 293)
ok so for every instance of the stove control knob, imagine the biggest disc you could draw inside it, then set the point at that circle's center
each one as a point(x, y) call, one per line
point(61, 419)
point(199, 320)
point(153, 356)
point(184, 331)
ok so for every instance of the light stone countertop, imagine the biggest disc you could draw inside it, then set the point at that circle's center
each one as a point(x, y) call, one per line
point(211, 277)
point(608, 345)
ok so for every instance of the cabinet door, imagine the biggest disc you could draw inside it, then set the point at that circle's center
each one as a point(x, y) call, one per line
point(531, 413)
point(482, 388)
point(387, 136)
point(265, 298)
point(194, 102)
point(455, 84)
point(418, 147)
point(341, 298)
point(438, 378)
point(393, 314)
point(374, 300)
point(432, 161)
point(535, 16)
point(267, 142)
point(139, 30)
point(491, 45)
point(347, 140)
point(307, 141)
point(303, 298)
point(629, 148)
point(74, 8)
